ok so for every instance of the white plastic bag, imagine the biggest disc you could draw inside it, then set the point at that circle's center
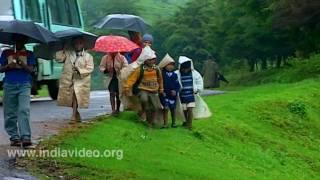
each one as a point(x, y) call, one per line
point(201, 110)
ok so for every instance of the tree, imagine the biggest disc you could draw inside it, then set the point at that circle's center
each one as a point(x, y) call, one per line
point(301, 20)
point(251, 30)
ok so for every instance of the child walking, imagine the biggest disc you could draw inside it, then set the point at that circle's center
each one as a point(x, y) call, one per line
point(191, 84)
point(111, 65)
point(171, 88)
point(146, 82)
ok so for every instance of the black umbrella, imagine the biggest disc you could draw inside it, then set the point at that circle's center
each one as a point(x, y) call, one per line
point(47, 51)
point(123, 22)
point(34, 32)
point(67, 35)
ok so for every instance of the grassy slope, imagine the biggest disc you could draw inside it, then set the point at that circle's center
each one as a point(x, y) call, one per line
point(268, 132)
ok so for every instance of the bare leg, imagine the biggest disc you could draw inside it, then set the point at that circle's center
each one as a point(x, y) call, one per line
point(190, 118)
point(113, 102)
point(118, 102)
point(75, 113)
point(165, 118)
point(173, 117)
point(185, 113)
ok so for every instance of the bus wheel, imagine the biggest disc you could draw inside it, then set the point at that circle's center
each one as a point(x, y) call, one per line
point(53, 88)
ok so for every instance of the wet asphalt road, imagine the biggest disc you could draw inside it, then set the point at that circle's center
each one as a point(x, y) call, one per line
point(45, 110)
point(47, 118)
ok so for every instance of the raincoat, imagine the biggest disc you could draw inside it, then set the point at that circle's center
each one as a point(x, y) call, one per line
point(201, 110)
point(75, 83)
point(132, 102)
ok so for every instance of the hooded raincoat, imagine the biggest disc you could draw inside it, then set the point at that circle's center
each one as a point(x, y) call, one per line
point(201, 110)
point(131, 102)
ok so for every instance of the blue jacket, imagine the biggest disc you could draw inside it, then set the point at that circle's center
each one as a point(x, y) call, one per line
point(170, 82)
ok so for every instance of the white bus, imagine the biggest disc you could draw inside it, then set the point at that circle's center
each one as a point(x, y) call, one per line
point(55, 15)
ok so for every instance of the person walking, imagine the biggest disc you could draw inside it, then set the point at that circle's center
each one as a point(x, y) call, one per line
point(111, 65)
point(191, 84)
point(74, 87)
point(171, 87)
point(18, 66)
point(147, 83)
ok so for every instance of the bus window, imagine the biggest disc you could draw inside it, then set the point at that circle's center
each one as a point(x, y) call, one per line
point(65, 12)
point(6, 10)
point(31, 10)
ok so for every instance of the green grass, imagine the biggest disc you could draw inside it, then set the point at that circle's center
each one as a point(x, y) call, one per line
point(265, 132)
point(267, 128)
point(43, 92)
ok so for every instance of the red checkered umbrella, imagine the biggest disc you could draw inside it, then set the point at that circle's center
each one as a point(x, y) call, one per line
point(110, 44)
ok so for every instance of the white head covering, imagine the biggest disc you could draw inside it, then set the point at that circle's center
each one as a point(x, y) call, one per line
point(183, 59)
point(165, 61)
point(146, 54)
